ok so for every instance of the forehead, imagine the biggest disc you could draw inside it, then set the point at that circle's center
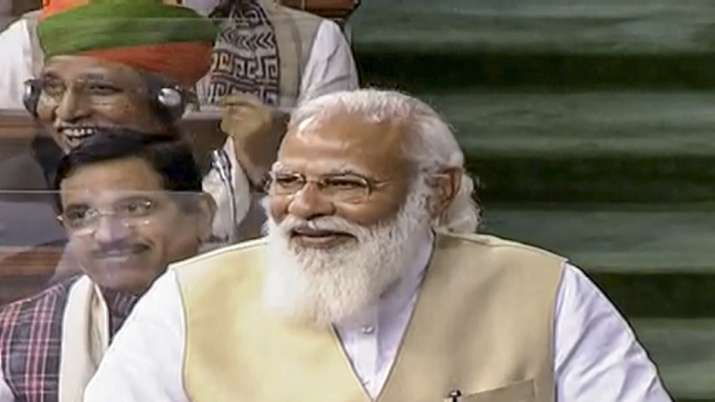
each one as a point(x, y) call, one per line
point(109, 180)
point(345, 142)
point(70, 68)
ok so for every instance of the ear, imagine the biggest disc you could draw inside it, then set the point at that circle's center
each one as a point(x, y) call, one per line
point(206, 210)
point(446, 184)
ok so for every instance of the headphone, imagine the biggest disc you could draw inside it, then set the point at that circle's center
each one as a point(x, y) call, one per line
point(31, 95)
point(169, 101)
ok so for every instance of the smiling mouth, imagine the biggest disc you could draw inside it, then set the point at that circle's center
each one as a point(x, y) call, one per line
point(317, 238)
point(74, 136)
point(119, 253)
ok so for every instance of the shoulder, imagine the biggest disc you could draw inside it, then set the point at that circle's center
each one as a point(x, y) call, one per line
point(225, 258)
point(493, 245)
point(483, 255)
point(40, 307)
point(220, 272)
point(329, 38)
point(57, 290)
point(301, 23)
point(15, 28)
point(295, 14)
point(504, 267)
point(19, 33)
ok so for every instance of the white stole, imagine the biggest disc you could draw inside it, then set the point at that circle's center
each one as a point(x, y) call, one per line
point(85, 338)
point(224, 225)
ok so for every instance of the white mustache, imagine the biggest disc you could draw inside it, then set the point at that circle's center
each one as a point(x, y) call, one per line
point(328, 223)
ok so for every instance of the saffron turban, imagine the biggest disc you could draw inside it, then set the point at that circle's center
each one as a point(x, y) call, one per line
point(167, 39)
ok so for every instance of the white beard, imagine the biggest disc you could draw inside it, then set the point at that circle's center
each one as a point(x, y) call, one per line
point(324, 286)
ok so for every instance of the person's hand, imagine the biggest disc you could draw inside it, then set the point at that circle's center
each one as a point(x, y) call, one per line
point(257, 131)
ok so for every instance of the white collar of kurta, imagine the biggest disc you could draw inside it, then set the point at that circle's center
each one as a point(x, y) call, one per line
point(371, 338)
point(85, 338)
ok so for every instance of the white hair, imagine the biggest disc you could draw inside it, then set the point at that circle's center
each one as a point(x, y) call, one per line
point(430, 143)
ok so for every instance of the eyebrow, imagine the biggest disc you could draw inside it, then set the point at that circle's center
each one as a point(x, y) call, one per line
point(332, 172)
point(86, 76)
point(128, 195)
point(344, 172)
point(49, 75)
point(75, 206)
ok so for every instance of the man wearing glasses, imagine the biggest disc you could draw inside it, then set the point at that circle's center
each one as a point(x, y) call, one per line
point(371, 286)
point(131, 204)
point(131, 64)
point(120, 63)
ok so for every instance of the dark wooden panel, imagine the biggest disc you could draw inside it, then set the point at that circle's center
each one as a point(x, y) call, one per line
point(24, 272)
point(22, 6)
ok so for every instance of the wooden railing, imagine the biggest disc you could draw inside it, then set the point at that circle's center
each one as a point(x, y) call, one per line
point(16, 125)
point(25, 271)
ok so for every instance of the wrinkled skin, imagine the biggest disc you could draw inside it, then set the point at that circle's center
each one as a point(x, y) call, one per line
point(83, 93)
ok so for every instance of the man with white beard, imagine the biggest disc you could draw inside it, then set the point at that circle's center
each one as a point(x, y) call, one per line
point(371, 287)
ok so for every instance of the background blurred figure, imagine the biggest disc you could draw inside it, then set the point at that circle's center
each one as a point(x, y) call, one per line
point(280, 55)
point(265, 65)
point(266, 60)
point(5, 12)
point(131, 204)
point(139, 78)
point(29, 46)
point(134, 71)
point(130, 64)
point(371, 286)
point(22, 59)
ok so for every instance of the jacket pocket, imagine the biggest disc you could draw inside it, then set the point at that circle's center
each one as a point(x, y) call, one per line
point(522, 391)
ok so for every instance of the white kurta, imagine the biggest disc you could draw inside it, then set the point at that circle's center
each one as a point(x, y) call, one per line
point(597, 357)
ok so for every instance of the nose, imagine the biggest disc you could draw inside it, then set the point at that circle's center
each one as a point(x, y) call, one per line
point(310, 203)
point(109, 230)
point(72, 106)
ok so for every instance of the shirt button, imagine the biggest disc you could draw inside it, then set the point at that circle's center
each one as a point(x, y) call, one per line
point(368, 329)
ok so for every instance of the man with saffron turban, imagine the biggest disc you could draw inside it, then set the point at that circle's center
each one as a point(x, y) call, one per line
point(131, 64)
point(318, 62)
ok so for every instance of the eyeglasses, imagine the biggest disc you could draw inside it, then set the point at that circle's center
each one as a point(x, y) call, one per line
point(340, 187)
point(97, 91)
point(83, 221)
